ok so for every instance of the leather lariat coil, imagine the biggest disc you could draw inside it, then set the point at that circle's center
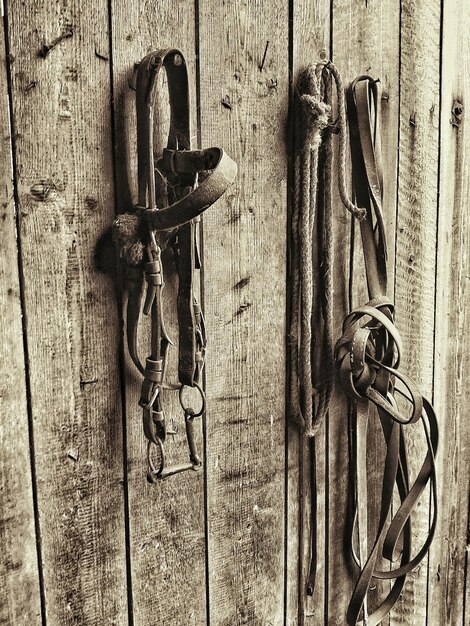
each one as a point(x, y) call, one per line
point(367, 358)
point(195, 179)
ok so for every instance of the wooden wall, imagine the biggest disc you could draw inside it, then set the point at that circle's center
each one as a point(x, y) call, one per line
point(84, 538)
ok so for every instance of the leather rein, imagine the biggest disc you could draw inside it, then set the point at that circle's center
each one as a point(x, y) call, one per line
point(367, 360)
point(195, 179)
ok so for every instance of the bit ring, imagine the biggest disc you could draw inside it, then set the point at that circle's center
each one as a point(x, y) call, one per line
point(203, 398)
point(155, 472)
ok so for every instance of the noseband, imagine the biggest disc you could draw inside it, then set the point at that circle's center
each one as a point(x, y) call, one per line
point(195, 179)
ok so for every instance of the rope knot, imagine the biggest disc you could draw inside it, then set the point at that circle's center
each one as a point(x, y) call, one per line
point(315, 117)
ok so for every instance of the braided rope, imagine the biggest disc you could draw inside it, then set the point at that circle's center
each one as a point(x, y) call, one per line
point(313, 111)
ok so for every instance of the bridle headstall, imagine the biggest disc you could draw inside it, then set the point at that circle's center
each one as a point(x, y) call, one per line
point(195, 180)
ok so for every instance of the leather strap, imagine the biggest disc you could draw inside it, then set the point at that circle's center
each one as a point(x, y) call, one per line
point(367, 359)
point(195, 203)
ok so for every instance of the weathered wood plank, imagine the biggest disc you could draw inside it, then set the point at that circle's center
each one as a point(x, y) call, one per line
point(167, 539)
point(64, 172)
point(61, 110)
point(365, 41)
point(19, 573)
point(416, 246)
point(447, 560)
point(244, 64)
point(466, 607)
point(311, 34)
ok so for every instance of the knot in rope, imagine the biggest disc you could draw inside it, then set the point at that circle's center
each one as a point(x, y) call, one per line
point(315, 117)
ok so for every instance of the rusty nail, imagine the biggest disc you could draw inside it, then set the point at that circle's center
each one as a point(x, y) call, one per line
point(261, 65)
point(31, 85)
point(83, 383)
point(242, 283)
point(103, 57)
point(45, 50)
point(226, 103)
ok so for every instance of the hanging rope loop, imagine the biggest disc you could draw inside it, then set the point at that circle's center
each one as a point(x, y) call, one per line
point(313, 206)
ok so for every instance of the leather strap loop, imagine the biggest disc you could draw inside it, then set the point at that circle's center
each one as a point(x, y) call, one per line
point(188, 161)
point(195, 203)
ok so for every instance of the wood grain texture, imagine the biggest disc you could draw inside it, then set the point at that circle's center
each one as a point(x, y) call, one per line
point(310, 34)
point(167, 538)
point(365, 41)
point(448, 556)
point(64, 138)
point(245, 274)
point(61, 111)
point(19, 562)
point(416, 247)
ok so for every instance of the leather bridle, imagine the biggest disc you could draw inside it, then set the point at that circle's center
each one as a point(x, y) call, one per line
point(367, 356)
point(195, 179)
point(367, 359)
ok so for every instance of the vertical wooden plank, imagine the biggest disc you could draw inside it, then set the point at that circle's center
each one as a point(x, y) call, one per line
point(466, 602)
point(311, 35)
point(416, 245)
point(447, 560)
point(244, 98)
point(19, 564)
point(167, 533)
point(365, 41)
point(61, 100)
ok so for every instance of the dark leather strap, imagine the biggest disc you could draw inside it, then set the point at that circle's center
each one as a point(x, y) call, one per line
point(367, 358)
